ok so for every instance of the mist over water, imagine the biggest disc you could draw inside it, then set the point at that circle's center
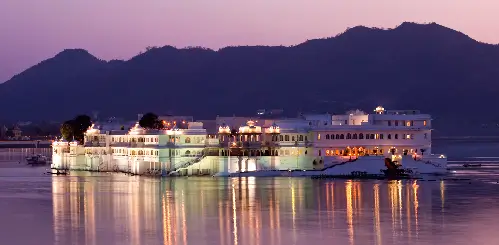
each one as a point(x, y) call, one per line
point(92, 208)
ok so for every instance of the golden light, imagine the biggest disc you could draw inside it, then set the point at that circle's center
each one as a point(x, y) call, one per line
point(273, 130)
point(224, 129)
point(379, 110)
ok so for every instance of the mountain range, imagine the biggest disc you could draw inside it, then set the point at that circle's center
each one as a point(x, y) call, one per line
point(427, 67)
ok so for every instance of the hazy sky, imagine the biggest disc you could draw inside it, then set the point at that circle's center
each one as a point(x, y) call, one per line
point(34, 30)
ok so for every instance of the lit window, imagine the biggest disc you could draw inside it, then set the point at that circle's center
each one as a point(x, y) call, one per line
point(407, 136)
point(408, 123)
point(424, 123)
point(319, 136)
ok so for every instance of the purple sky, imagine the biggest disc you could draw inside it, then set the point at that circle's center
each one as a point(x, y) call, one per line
point(34, 30)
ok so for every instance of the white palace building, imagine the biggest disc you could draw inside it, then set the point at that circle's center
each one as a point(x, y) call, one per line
point(334, 144)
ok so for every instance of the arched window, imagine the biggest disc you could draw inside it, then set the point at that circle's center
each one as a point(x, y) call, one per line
point(381, 136)
point(292, 138)
point(152, 152)
point(354, 136)
point(337, 136)
point(187, 153)
point(286, 137)
point(349, 136)
point(301, 138)
point(361, 136)
point(281, 138)
point(396, 136)
point(342, 136)
point(389, 136)
point(327, 136)
point(133, 153)
point(187, 140)
point(372, 136)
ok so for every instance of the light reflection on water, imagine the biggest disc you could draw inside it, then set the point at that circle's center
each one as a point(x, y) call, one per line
point(89, 208)
point(120, 209)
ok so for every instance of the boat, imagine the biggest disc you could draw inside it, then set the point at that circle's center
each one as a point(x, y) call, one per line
point(472, 165)
point(58, 172)
point(37, 160)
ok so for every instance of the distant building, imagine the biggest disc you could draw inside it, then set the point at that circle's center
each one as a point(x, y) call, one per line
point(17, 132)
point(3, 132)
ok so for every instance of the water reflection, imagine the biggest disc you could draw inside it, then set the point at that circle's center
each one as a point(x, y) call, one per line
point(16, 154)
point(117, 209)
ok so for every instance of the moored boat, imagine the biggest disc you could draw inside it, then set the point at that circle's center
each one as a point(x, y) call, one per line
point(37, 160)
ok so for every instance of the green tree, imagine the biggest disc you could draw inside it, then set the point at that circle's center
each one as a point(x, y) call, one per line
point(76, 128)
point(150, 121)
point(67, 130)
point(80, 126)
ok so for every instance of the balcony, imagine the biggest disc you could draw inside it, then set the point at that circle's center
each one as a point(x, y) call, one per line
point(94, 144)
point(270, 143)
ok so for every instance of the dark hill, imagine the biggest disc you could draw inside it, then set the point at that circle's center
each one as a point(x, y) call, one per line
point(423, 66)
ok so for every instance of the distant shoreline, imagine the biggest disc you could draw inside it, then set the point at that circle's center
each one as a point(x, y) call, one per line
point(25, 144)
point(466, 139)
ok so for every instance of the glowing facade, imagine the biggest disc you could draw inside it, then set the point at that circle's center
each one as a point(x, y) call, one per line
point(309, 142)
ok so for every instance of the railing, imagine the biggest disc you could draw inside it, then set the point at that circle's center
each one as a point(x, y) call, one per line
point(212, 142)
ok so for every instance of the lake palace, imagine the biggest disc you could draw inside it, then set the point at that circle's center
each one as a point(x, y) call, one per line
point(340, 144)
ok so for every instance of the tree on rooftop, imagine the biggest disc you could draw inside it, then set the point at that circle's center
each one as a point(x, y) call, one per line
point(76, 128)
point(150, 121)
point(67, 130)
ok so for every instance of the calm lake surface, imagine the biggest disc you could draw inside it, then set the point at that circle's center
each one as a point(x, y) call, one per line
point(90, 208)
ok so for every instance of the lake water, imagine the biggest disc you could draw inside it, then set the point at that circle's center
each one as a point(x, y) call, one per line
point(90, 208)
